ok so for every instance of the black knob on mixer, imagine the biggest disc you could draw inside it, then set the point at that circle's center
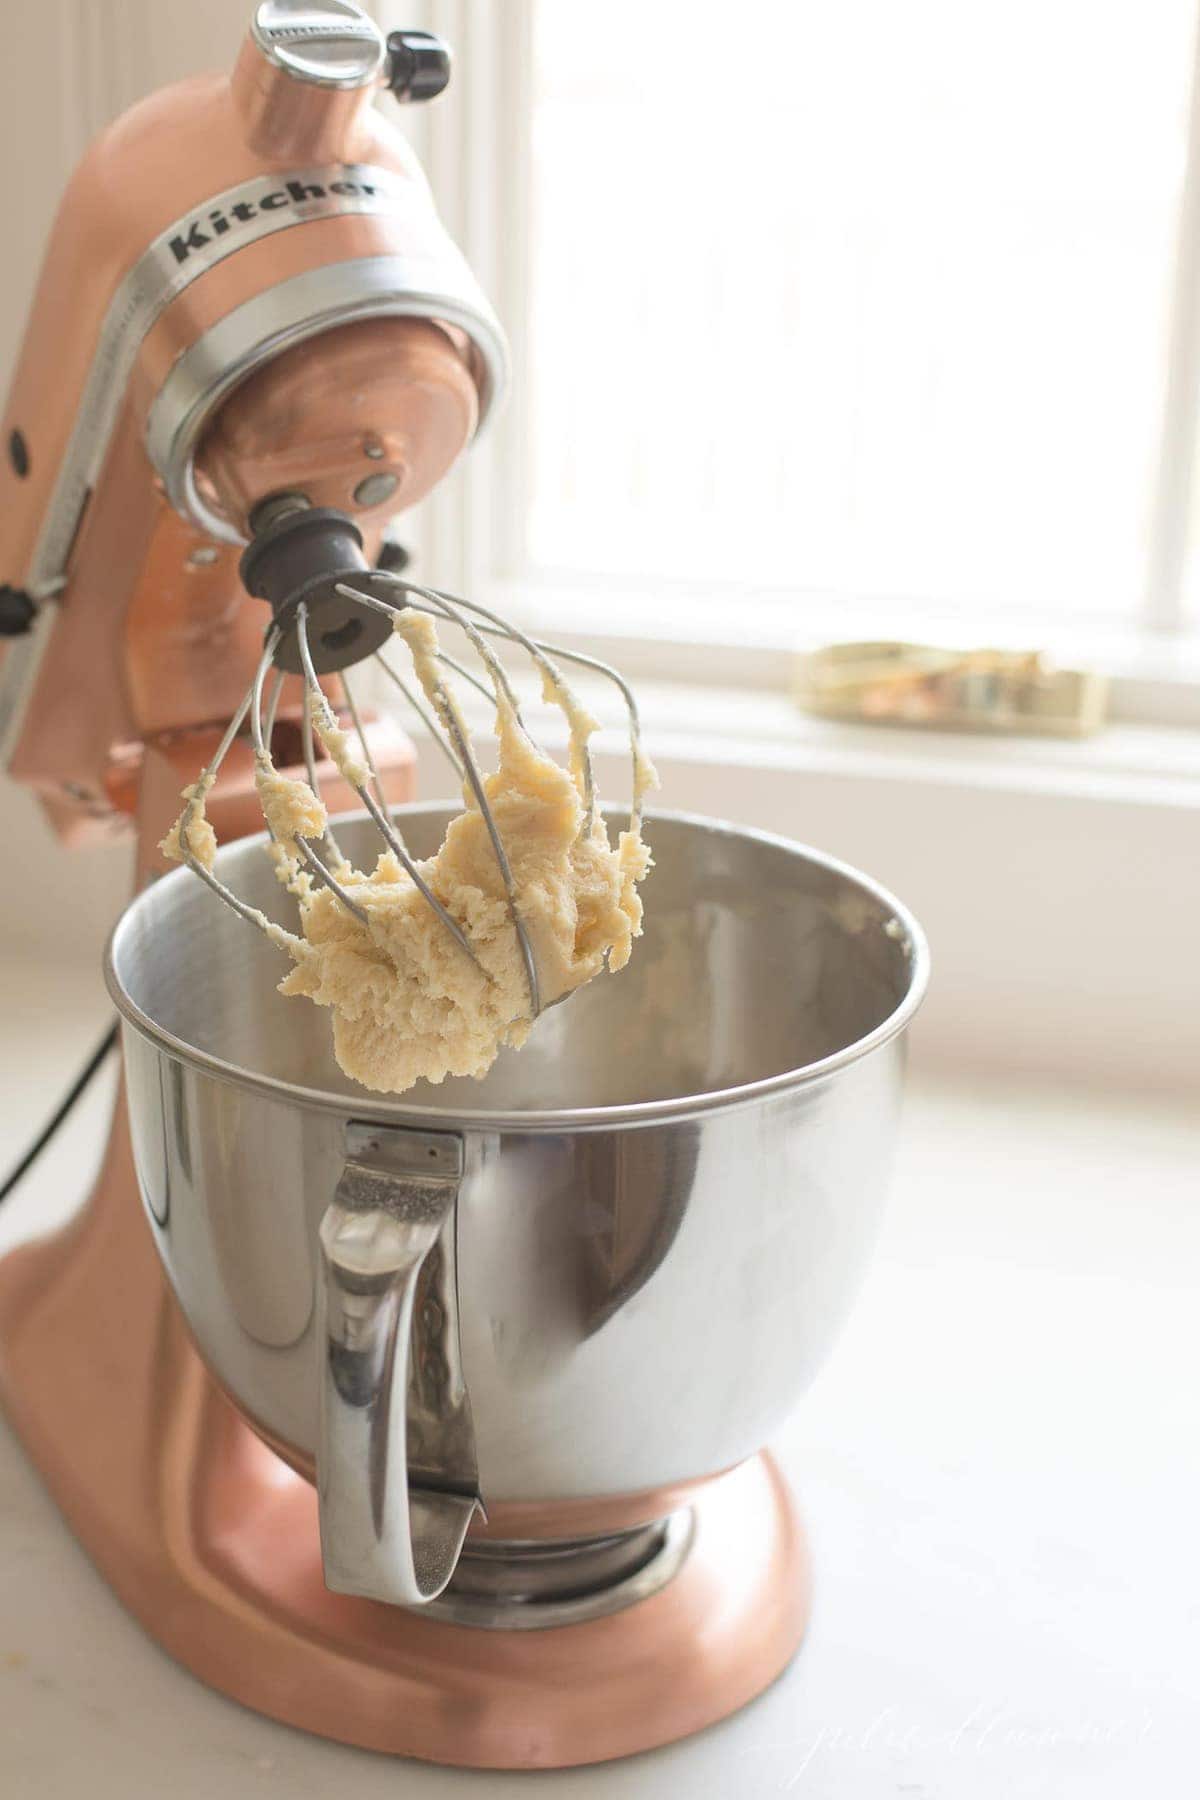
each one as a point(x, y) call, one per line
point(419, 64)
point(17, 611)
point(393, 557)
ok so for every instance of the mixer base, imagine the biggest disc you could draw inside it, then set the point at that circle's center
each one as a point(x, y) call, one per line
point(211, 1542)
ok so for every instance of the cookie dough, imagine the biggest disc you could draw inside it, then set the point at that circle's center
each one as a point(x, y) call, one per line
point(407, 1001)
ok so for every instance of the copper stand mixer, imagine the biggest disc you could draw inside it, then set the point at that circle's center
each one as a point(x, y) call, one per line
point(249, 310)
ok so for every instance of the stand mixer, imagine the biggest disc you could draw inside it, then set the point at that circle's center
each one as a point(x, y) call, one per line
point(433, 1426)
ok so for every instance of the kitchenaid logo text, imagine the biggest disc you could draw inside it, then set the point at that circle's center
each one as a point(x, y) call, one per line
point(201, 231)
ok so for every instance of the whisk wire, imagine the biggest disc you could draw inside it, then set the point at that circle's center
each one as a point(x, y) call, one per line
point(261, 731)
point(448, 713)
point(390, 836)
point(460, 669)
point(201, 788)
point(308, 749)
point(273, 707)
point(452, 608)
point(368, 757)
point(331, 882)
point(542, 656)
point(497, 626)
point(423, 713)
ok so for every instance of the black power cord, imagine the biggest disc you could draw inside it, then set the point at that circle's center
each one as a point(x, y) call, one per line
point(79, 1086)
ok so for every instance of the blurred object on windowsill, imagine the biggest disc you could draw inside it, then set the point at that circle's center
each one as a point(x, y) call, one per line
point(950, 690)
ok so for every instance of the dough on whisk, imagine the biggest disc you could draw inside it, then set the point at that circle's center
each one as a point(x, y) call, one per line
point(408, 1002)
point(193, 824)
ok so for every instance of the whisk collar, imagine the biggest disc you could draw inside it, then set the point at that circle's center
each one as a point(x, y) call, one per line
point(302, 555)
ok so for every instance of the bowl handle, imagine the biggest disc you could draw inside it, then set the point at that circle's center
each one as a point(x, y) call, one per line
point(396, 1471)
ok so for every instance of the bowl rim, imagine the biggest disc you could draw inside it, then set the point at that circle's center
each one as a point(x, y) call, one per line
point(396, 1110)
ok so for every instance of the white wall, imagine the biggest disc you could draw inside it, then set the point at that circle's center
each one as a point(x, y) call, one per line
point(91, 59)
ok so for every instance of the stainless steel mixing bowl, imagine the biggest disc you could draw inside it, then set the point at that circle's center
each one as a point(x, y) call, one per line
point(609, 1268)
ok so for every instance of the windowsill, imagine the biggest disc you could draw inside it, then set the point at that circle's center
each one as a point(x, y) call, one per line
point(711, 637)
point(764, 730)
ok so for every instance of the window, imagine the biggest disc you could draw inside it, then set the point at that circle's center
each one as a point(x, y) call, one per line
point(889, 304)
point(866, 298)
point(926, 336)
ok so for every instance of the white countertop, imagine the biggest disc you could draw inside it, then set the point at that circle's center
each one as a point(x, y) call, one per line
point(999, 1470)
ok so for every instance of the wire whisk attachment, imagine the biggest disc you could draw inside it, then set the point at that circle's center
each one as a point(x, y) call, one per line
point(429, 966)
